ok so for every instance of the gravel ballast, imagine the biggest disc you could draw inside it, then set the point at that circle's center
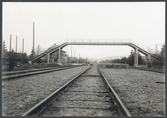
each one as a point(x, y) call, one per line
point(142, 92)
point(19, 95)
point(87, 96)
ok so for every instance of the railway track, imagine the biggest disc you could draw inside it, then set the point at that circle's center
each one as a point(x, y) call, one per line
point(17, 74)
point(87, 94)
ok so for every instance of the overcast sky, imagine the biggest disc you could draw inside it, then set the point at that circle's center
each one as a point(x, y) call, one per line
point(143, 22)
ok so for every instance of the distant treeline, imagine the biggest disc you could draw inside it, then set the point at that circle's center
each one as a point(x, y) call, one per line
point(13, 56)
point(141, 61)
point(126, 60)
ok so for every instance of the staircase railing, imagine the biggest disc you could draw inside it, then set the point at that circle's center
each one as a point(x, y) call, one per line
point(106, 40)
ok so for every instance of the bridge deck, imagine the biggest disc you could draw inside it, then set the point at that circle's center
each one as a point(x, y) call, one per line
point(104, 42)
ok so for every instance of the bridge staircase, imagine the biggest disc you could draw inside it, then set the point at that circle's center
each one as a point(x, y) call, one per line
point(48, 51)
point(129, 42)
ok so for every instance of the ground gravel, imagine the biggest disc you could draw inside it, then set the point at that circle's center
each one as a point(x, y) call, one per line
point(142, 92)
point(87, 96)
point(19, 95)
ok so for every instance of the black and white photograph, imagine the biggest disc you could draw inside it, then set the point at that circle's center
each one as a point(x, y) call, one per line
point(83, 59)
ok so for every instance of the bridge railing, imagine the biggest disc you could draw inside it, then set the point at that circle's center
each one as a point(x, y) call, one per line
point(141, 46)
point(93, 40)
point(104, 40)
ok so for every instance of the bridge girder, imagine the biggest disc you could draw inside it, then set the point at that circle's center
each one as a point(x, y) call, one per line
point(136, 48)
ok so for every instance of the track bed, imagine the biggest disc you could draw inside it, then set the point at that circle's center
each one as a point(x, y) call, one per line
point(87, 96)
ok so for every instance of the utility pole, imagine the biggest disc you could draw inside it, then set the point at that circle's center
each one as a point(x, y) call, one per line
point(16, 44)
point(23, 46)
point(22, 49)
point(74, 56)
point(71, 53)
point(10, 55)
point(33, 43)
point(79, 58)
point(156, 47)
point(10, 43)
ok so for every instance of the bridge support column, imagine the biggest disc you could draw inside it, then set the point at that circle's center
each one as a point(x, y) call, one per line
point(148, 60)
point(52, 60)
point(60, 62)
point(48, 58)
point(136, 57)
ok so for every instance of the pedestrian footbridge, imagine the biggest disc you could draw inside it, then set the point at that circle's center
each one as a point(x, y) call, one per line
point(136, 46)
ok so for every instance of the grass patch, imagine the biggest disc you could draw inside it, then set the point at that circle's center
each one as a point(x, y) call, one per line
point(114, 65)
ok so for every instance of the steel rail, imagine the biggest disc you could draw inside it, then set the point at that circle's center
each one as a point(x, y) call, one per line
point(31, 70)
point(24, 71)
point(121, 107)
point(34, 73)
point(38, 108)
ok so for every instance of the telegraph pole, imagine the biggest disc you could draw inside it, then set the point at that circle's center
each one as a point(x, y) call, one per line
point(33, 42)
point(74, 56)
point(16, 44)
point(22, 49)
point(71, 53)
point(23, 46)
point(10, 54)
point(10, 43)
point(79, 58)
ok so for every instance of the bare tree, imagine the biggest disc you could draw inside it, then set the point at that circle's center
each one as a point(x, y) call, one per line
point(162, 54)
point(4, 52)
point(4, 46)
point(150, 50)
point(38, 50)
